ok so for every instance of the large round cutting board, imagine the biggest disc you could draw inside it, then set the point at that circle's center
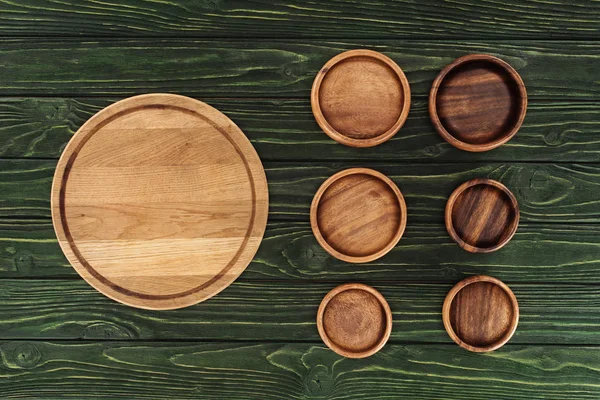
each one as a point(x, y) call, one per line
point(159, 201)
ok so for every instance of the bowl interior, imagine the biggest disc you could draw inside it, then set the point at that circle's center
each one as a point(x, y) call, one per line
point(361, 97)
point(481, 314)
point(479, 102)
point(483, 216)
point(358, 215)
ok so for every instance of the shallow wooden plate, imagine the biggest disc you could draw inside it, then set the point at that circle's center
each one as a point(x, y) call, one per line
point(480, 313)
point(159, 201)
point(358, 215)
point(478, 102)
point(360, 98)
point(354, 320)
point(482, 215)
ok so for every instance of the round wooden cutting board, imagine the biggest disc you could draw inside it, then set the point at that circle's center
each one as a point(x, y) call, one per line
point(159, 201)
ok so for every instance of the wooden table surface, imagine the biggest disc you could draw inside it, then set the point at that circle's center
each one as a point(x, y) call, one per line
point(62, 61)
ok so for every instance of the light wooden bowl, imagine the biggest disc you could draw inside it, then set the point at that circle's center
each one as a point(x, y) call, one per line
point(360, 98)
point(358, 215)
point(354, 320)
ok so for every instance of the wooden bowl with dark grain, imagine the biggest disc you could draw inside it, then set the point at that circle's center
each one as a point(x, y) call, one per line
point(354, 320)
point(358, 215)
point(478, 102)
point(482, 215)
point(480, 313)
point(360, 98)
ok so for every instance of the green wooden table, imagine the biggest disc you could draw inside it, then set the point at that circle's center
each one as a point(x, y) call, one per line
point(62, 61)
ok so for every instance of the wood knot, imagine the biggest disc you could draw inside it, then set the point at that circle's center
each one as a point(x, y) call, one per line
point(432, 151)
point(318, 381)
point(23, 261)
point(211, 4)
point(26, 355)
point(553, 138)
point(106, 331)
point(307, 254)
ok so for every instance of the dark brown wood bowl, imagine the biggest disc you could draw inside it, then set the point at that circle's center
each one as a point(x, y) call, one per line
point(354, 320)
point(360, 98)
point(482, 215)
point(480, 313)
point(478, 102)
point(358, 215)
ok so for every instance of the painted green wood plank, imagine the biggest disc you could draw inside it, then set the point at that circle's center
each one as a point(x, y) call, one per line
point(302, 18)
point(294, 371)
point(286, 130)
point(546, 192)
point(62, 67)
point(537, 253)
point(277, 310)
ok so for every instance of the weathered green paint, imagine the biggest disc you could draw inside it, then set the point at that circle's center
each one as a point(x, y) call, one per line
point(286, 130)
point(289, 251)
point(545, 192)
point(295, 371)
point(552, 70)
point(62, 61)
point(303, 18)
point(280, 311)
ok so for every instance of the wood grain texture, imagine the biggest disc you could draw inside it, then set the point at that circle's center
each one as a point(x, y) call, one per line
point(482, 215)
point(480, 313)
point(303, 18)
point(354, 320)
point(478, 102)
point(151, 183)
point(286, 130)
point(358, 215)
point(360, 98)
point(201, 69)
point(537, 253)
point(545, 192)
point(294, 371)
point(280, 311)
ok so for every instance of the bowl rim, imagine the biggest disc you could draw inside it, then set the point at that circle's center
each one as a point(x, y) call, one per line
point(437, 83)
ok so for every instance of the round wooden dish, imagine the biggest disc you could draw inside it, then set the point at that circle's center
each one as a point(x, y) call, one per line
point(480, 313)
point(478, 102)
point(358, 215)
point(360, 98)
point(354, 320)
point(482, 215)
point(159, 201)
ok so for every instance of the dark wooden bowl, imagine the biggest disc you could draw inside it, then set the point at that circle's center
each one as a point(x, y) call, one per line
point(480, 313)
point(482, 215)
point(358, 215)
point(354, 320)
point(360, 98)
point(478, 102)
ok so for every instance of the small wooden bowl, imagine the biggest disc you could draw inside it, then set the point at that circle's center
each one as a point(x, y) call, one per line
point(482, 215)
point(478, 102)
point(358, 215)
point(360, 98)
point(354, 320)
point(480, 313)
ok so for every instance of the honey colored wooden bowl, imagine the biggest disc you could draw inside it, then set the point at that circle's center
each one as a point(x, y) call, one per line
point(480, 313)
point(354, 320)
point(360, 98)
point(358, 215)
point(159, 201)
point(482, 215)
point(478, 102)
